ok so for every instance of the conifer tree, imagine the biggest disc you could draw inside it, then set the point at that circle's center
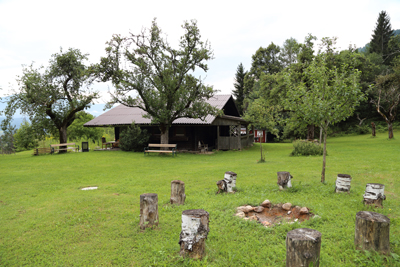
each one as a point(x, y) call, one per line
point(380, 38)
point(238, 92)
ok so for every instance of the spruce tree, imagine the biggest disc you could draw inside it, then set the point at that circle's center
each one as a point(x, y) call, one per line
point(381, 36)
point(238, 92)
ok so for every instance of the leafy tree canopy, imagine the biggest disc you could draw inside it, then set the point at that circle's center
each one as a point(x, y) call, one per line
point(76, 131)
point(150, 74)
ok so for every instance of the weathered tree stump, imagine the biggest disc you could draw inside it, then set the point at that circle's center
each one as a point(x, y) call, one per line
point(343, 182)
point(221, 186)
point(373, 129)
point(194, 233)
point(303, 246)
point(230, 180)
point(177, 192)
point(374, 194)
point(148, 210)
point(284, 180)
point(372, 232)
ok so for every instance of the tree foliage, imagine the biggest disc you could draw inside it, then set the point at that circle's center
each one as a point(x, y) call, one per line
point(239, 91)
point(133, 139)
point(381, 36)
point(51, 97)
point(331, 96)
point(25, 137)
point(149, 74)
point(76, 131)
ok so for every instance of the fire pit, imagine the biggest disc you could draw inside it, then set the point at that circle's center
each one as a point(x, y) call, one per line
point(270, 215)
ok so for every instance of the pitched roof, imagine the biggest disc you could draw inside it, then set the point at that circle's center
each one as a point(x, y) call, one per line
point(123, 115)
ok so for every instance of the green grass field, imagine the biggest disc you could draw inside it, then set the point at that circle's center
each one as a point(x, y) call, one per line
point(47, 221)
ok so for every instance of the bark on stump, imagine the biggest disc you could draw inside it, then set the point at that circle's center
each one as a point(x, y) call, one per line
point(372, 232)
point(284, 180)
point(194, 233)
point(148, 210)
point(230, 180)
point(303, 246)
point(374, 194)
point(177, 192)
point(343, 182)
point(221, 186)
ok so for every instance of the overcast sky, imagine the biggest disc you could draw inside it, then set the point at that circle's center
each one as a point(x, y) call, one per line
point(33, 30)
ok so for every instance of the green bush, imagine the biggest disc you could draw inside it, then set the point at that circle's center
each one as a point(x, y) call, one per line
point(306, 148)
point(25, 137)
point(133, 139)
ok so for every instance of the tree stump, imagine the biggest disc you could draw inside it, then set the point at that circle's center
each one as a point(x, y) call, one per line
point(343, 182)
point(303, 246)
point(148, 210)
point(177, 192)
point(194, 233)
point(221, 186)
point(230, 180)
point(373, 129)
point(374, 194)
point(284, 180)
point(372, 232)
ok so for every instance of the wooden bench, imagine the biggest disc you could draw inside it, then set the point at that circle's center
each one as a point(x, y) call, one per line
point(56, 147)
point(171, 147)
point(41, 150)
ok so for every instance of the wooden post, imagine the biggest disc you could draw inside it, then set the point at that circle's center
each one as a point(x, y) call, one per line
point(303, 246)
point(284, 180)
point(374, 194)
point(343, 182)
point(194, 233)
point(177, 192)
point(148, 210)
point(230, 181)
point(372, 232)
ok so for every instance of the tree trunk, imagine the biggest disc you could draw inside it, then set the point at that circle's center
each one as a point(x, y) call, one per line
point(230, 181)
point(177, 192)
point(63, 138)
point(390, 130)
point(372, 232)
point(310, 132)
point(320, 135)
point(374, 194)
point(324, 157)
point(194, 233)
point(148, 210)
point(343, 182)
point(373, 129)
point(284, 180)
point(164, 134)
point(303, 246)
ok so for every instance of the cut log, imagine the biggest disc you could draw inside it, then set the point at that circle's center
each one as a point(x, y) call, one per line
point(194, 233)
point(372, 232)
point(373, 129)
point(284, 180)
point(177, 192)
point(230, 181)
point(303, 246)
point(221, 184)
point(148, 210)
point(374, 194)
point(343, 182)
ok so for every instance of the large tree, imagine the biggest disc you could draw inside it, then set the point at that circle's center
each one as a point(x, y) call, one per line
point(386, 96)
point(331, 95)
point(289, 52)
point(51, 97)
point(239, 92)
point(150, 74)
point(381, 36)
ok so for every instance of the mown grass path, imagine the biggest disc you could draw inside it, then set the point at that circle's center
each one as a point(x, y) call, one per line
point(47, 221)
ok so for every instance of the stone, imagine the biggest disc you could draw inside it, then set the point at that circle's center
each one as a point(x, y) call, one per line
point(287, 206)
point(241, 208)
point(240, 214)
point(259, 209)
point(253, 218)
point(304, 210)
point(266, 204)
point(248, 208)
point(297, 208)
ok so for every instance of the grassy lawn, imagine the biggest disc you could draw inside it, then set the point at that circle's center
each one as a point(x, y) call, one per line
point(47, 221)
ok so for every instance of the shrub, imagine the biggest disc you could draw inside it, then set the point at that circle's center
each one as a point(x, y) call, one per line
point(133, 138)
point(306, 148)
point(25, 137)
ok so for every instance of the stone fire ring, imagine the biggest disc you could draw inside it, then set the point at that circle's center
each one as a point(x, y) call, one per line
point(270, 215)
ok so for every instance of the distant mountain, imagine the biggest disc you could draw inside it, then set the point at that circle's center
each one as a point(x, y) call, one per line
point(364, 49)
